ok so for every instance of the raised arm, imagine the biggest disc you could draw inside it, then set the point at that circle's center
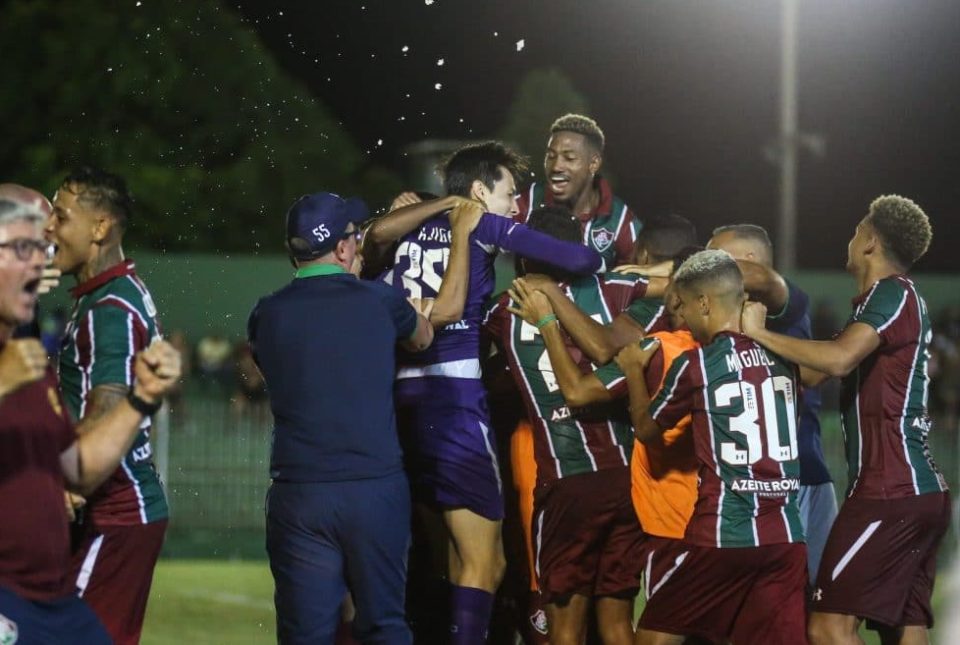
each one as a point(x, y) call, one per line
point(599, 342)
point(452, 296)
point(22, 361)
point(518, 238)
point(400, 221)
point(104, 440)
point(837, 357)
point(633, 360)
point(578, 389)
point(764, 285)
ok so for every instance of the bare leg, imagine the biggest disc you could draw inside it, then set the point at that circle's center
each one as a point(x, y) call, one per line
point(833, 629)
point(615, 620)
point(568, 623)
point(476, 551)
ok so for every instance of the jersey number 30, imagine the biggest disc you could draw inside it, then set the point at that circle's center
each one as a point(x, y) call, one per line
point(747, 422)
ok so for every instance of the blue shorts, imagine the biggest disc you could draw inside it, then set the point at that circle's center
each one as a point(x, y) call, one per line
point(448, 444)
point(63, 621)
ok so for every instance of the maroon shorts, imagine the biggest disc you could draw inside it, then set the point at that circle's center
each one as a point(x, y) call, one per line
point(113, 569)
point(660, 557)
point(587, 537)
point(881, 558)
point(747, 595)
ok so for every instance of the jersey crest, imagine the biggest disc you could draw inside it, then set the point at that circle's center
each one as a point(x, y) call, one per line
point(602, 239)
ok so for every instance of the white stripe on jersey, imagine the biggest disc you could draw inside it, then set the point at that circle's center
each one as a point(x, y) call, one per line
point(86, 372)
point(906, 395)
point(609, 318)
point(713, 446)
point(464, 368)
point(673, 388)
point(526, 383)
point(623, 218)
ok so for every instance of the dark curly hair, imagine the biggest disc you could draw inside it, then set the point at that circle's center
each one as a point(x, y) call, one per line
point(903, 227)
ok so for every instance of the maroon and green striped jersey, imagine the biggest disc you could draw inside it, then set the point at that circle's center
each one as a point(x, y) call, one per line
point(650, 314)
point(568, 441)
point(611, 228)
point(743, 402)
point(884, 400)
point(114, 318)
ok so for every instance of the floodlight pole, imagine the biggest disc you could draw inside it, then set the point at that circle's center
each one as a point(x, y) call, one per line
point(786, 250)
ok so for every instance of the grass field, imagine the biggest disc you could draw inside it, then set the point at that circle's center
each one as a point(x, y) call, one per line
point(215, 602)
point(210, 602)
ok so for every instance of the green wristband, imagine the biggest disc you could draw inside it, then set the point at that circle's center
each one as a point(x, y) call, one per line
point(546, 320)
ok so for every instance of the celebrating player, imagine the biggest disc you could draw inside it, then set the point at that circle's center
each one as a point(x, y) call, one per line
point(587, 536)
point(114, 318)
point(742, 573)
point(880, 559)
point(750, 246)
point(439, 392)
point(571, 167)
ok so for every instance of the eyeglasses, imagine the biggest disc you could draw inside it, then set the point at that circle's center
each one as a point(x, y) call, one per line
point(25, 246)
point(356, 233)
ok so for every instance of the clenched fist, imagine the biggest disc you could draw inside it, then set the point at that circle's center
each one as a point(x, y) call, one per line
point(157, 370)
point(22, 361)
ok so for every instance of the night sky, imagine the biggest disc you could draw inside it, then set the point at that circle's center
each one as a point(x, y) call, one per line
point(686, 92)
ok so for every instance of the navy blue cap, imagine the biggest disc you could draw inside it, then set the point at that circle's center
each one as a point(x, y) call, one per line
point(319, 221)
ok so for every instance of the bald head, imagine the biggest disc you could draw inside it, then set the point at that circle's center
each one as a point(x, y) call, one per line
point(26, 196)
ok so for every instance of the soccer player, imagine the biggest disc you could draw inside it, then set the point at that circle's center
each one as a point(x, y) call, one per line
point(658, 244)
point(750, 246)
point(439, 392)
point(879, 563)
point(114, 318)
point(587, 536)
point(663, 475)
point(571, 167)
point(742, 574)
point(41, 451)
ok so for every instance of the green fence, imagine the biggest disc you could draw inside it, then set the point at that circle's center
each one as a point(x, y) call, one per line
point(216, 470)
point(215, 461)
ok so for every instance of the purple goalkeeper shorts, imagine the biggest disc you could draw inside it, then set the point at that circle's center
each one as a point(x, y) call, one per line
point(448, 445)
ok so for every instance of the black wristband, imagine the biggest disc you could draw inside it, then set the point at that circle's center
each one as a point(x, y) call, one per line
point(141, 406)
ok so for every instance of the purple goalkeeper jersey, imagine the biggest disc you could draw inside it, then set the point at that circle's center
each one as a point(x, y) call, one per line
point(421, 260)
